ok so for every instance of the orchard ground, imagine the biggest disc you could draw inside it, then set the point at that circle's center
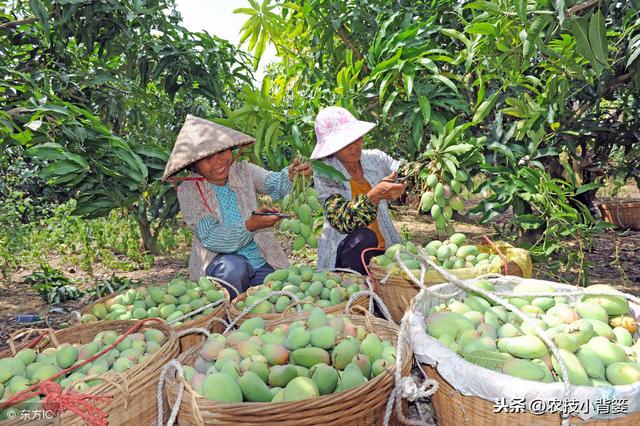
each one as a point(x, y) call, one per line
point(614, 259)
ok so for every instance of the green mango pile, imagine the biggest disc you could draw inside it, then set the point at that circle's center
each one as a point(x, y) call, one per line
point(317, 288)
point(171, 301)
point(29, 367)
point(594, 335)
point(451, 253)
point(305, 359)
point(442, 198)
point(306, 206)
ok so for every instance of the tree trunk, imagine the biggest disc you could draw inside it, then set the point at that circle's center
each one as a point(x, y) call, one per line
point(148, 234)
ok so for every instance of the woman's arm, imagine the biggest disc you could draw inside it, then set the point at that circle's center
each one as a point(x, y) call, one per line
point(274, 184)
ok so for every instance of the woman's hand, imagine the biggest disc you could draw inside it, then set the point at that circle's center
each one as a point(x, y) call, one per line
point(297, 169)
point(256, 222)
point(386, 189)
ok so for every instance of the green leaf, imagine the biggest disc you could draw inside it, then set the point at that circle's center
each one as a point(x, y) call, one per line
point(487, 359)
point(40, 10)
point(460, 148)
point(457, 35)
point(327, 171)
point(60, 168)
point(425, 108)
point(388, 103)
point(47, 151)
point(521, 10)
point(485, 108)
point(588, 187)
point(533, 33)
point(559, 5)
point(446, 81)
point(580, 29)
point(598, 37)
point(268, 136)
point(408, 83)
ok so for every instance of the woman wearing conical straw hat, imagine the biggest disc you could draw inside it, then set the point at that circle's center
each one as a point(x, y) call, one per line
point(356, 213)
point(217, 200)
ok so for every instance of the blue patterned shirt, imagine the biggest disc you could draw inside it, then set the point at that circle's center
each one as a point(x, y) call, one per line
point(232, 235)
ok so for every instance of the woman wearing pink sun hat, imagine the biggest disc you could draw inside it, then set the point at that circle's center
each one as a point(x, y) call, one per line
point(356, 213)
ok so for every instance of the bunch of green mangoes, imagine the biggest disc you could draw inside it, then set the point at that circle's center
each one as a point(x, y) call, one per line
point(317, 288)
point(29, 367)
point(306, 206)
point(442, 198)
point(595, 335)
point(305, 359)
point(451, 253)
point(169, 302)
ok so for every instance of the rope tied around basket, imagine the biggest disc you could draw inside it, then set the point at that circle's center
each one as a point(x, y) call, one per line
point(498, 298)
point(57, 400)
point(60, 400)
point(181, 385)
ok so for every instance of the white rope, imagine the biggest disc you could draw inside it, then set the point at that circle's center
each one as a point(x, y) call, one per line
point(194, 330)
point(372, 295)
point(197, 311)
point(411, 391)
point(262, 299)
point(160, 402)
point(226, 284)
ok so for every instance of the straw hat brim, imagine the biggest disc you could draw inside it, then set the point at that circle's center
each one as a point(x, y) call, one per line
point(341, 139)
point(199, 138)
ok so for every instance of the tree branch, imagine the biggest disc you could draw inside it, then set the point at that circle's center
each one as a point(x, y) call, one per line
point(13, 24)
point(345, 39)
point(581, 6)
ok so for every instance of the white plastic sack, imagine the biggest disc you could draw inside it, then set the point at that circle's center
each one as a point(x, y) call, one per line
point(473, 380)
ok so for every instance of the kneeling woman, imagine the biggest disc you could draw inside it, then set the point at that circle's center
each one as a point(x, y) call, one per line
point(217, 200)
point(356, 213)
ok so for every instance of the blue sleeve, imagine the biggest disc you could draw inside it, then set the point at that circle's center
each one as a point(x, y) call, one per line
point(277, 184)
point(219, 238)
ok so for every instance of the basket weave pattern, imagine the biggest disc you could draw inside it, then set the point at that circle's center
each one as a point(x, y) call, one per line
point(138, 404)
point(625, 214)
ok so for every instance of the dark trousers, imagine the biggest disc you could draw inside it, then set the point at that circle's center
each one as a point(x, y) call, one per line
point(237, 271)
point(350, 249)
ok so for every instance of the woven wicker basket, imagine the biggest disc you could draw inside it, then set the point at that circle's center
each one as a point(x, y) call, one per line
point(207, 321)
point(398, 291)
point(285, 316)
point(362, 405)
point(453, 409)
point(625, 214)
point(133, 392)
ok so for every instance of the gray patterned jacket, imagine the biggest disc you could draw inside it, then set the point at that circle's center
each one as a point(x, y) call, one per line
point(246, 180)
point(376, 165)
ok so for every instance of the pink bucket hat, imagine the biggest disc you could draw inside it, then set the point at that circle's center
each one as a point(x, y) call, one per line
point(335, 129)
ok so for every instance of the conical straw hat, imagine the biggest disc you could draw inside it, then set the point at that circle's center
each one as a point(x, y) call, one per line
point(199, 138)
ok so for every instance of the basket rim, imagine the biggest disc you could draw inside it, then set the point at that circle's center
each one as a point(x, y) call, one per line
point(171, 379)
point(184, 324)
point(234, 312)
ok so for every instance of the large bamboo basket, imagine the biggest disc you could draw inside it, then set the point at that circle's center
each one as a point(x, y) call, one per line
point(362, 405)
point(625, 214)
point(454, 409)
point(397, 291)
point(289, 313)
point(208, 322)
point(133, 392)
